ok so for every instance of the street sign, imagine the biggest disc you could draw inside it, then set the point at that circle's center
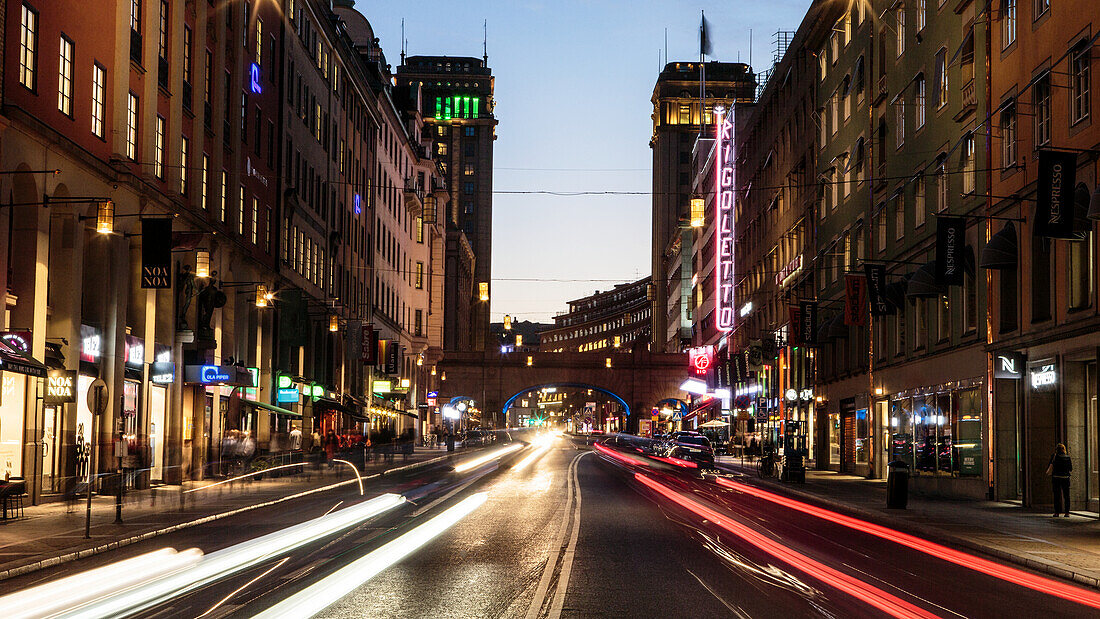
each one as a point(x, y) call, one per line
point(98, 397)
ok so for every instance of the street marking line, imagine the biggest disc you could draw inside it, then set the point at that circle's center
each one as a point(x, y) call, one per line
point(554, 551)
point(567, 560)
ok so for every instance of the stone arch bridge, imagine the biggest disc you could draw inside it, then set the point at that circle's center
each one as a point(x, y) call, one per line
point(640, 379)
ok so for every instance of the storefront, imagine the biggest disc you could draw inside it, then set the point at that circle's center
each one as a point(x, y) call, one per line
point(938, 431)
point(162, 373)
point(20, 379)
point(227, 430)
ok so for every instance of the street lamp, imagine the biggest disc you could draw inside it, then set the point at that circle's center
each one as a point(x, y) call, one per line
point(105, 217)
point(261, 296)
point(202, 263)
point(333, 323)
point(607, 362)
point(483, 291)
point(507, 322)
point(698, 209)
point(530, 361)
point(433, 370)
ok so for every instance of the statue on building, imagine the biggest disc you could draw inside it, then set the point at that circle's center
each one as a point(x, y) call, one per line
point(210, 298)
point(185, 289)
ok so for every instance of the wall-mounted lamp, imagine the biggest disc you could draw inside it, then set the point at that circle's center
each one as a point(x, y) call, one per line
point(261, 296)
point(105, 217)
point(202, 263)
point(333, 323)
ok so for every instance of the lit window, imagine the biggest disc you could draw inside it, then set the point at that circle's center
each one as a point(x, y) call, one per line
point(240, 212)
point(255, 219)
point(919, 100)
point(183, 164)
point(941, 185)
point(899, 219)
point(1008, 23)
point(204, 181)
point(28, 46)
point(969, 165)
point(99, 98)
point(222, 196)
point(65, 77)
point(1079, 82)
point(899, 40)
point(922, 15)
point(469, 169)
point(919, 202)
point(188, 43)
point(419, 275)
point(162, 41)
point(941, 78)
point(259, 41)
point(158, 149)
point(419, 229)
point(899, 120)
point(131, 126)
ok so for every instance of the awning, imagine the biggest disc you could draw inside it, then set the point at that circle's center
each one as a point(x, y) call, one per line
point(271, 408)
point(837, 328)
point(413, 415)
point(14, 360)
point(923, 283)
point(334, 405)
point(1002, 250)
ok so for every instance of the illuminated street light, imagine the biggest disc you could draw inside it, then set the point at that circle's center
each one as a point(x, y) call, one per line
point(261, 296)
point(507, 322)
point(483, 291)
point(202, 263)
point(607, 362)
point(617, 341)
point(419, 360)
point(530, 360)
point(105, 217)
point(433, 370)
point(698, 208)
point(333, 323)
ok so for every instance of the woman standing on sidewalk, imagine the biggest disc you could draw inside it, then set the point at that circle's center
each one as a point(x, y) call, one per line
point(1059, 470)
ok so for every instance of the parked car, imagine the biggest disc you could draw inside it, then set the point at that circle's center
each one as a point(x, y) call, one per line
point(693, 447)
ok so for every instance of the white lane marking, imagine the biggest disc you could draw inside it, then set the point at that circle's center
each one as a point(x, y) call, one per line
point(567, 561)
point(555, 548)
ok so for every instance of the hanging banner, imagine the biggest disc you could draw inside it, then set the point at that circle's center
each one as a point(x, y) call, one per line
point(808, 309)
point(60, 387)
point(950, 243)
point(795, 332)
point(740, 367)
point(855, 299)
point(391, 356)
point(1054, 204)
point(368, 352)
point(156, 252)
point(876, 289)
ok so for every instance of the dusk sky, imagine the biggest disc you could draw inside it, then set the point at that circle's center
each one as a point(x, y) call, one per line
point(573, 82)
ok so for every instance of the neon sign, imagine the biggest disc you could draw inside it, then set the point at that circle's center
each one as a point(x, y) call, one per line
point(701, 358)
point(254, 73)
point(723, 228)
point(358, 204)
point(212, 374)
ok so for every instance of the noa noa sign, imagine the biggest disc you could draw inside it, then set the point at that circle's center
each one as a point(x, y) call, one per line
point(60, 387)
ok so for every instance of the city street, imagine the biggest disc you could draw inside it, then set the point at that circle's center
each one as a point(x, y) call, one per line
point(567, 531)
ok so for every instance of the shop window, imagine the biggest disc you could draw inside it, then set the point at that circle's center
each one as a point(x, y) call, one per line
point(943, 319)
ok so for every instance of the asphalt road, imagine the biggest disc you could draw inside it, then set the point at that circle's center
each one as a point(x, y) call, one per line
point(575, 533)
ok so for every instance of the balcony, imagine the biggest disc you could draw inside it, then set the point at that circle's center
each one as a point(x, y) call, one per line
point(414, 199)
point(969, 100)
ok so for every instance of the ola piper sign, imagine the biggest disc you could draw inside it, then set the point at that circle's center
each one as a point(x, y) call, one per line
point(723, 221)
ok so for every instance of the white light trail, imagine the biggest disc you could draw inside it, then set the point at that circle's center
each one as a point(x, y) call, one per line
point(476, 462)
point(329, 590)
point(542, 445)
point(59, 595)
point(219, 564)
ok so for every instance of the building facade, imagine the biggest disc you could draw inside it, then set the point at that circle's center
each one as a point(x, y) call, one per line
point(457, 104)
point(679, 112)
point(196, 200)
point(610, 321)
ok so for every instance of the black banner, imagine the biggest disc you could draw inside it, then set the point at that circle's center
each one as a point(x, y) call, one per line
point(950, 244)
point(393, 357)
point(1054, 207)
point(740, 367)
point(808, 310)
point(156, 253)
point(876, 289)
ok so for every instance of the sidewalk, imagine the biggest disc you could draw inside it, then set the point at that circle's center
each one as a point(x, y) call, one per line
point(1065, 547)
point(53, 533)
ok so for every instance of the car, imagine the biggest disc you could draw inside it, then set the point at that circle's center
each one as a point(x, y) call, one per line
point(692, 447)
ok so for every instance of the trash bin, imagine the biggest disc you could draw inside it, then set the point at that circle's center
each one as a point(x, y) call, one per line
point(897, 485)
point(794, 468)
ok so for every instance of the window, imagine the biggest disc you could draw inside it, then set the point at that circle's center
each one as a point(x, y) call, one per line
point(899, 122)
point(922, 15)
point(1041, 7)
point(921, 319)
point(846, 25)
point(188, 43)
point(969, 159)
point(970, 302)
point(900, 326)
point(942, 182)
point(919, 99)
point(899, 219)
point(685, 114)
point(469, 169)
point(418, 328)
point(1079, 83)
point(162, 40)
point(940, 79)
point(1008, 135)
point(1008, 23)
point(1081, 258)
point(99, 99)
point(158, 148)
point(240, 212)
point(943, 318)
point(470, 131)
point(203, 182)
point(1040, 93)
point(222, 197)
point(899, 40)
point(208, 81)
point(1040, 279)
point(847, 90)
point(919, 201)
point(135, 31)
point(65, 77)
point(468, 188)
point(28, 46)
point(419, 229)
point(441, 149)
point(183, 164)
point(131, 126)
point(259, 41)
point(419, 281)
point(255, 220)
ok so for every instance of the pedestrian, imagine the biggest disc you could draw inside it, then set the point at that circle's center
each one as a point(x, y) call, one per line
point(295, 439)
point(1059, 470)
point(330, 447)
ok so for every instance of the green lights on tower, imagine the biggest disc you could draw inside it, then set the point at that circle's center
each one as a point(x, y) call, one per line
point(457, 106)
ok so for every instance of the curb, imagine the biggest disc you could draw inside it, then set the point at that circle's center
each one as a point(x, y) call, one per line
point(116, 544)
point(931, 532)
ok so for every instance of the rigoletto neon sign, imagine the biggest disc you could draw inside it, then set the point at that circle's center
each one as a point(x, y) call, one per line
point(723, 229)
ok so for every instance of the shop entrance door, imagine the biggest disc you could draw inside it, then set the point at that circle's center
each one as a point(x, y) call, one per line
point(847, 435)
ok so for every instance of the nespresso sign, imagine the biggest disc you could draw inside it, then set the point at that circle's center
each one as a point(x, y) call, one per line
point(1054, 204)
point(950, 241)
point(1008, 365)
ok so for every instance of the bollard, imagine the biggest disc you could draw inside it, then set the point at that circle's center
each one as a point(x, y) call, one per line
point(897, 485)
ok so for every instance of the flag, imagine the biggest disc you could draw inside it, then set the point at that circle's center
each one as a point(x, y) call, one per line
point(704, 36)
point(855, 300)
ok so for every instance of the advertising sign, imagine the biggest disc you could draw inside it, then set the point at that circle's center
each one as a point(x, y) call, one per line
point(91, 344)
point(876, 290)
point(1054, 205)
point(368, 353)
point(808, 309)
point(287, 395)
point(855, 299)
point(724, 306)
point(60, 387)
point(393, 357)
point(135, 352)
point(1008, 365)
point(950, 243)
point(156, 252)
point(162, 372)
point(700, 360)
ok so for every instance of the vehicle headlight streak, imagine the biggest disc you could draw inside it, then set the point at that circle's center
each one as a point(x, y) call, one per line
point(64, 593)
point(885, 602)
point(476, 462)
point(985, 566)
point(231, 560)
point(330, 589)
point(542, 445)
